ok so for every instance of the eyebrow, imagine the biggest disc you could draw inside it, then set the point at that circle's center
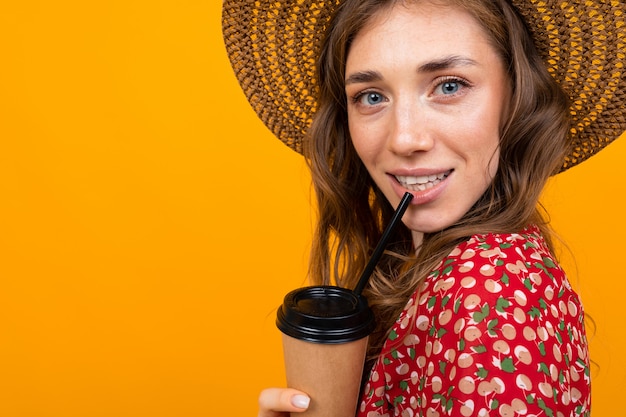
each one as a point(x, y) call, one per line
point(428, 67)
point(446, 62)
point(363, 77)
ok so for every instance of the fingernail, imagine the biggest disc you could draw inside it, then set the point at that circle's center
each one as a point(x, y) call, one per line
point(300, 401)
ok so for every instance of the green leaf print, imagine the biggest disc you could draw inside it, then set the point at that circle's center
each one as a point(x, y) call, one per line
point(395, 354)
point(449, 404)
point(530, 398)
point(549, 263)
point(442, 367)
point(502, 304)
point(505, 279)
point(479, 349)
point(534, 313)
point(543, 304)
point(379, 403)
point(505, 245)
point(441, 332)
point(445, 301)
point(491, 325)
point(542, 404)
point(528, 284)
point(499, 262)
point(493, 404)
point(482, 373)
point(507, 365)
point(485, 246)
point(412, 353)
point(431, 302)
point(544, 368)
point(542, 348)
point(461, 345)
point(447, 270)
point(479, 316)
point(404, 385)
point(457, 305)
point(393, 335)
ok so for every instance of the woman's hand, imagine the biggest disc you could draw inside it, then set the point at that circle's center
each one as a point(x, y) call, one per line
point(279, 402)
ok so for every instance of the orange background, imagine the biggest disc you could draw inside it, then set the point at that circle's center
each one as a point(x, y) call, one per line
point(150, 224)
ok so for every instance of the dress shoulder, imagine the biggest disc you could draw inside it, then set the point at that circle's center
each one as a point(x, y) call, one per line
point(494, 330)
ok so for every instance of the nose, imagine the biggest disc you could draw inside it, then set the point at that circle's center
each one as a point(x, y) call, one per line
point(410, 131)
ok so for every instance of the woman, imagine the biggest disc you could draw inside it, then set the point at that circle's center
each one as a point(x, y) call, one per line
point(451, 101)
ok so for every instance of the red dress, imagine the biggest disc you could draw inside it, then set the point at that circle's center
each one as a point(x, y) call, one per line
point(496, 331)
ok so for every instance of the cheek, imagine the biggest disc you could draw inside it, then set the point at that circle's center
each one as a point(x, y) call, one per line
point(482, 138)
point(479, 146)
point(364, 140)
point(492, 150)
point(494, 162)
point(488, 158)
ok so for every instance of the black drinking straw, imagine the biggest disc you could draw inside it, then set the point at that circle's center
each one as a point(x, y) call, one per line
point(380, 248)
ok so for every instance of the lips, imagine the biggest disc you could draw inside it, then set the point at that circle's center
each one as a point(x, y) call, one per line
point(421, 182)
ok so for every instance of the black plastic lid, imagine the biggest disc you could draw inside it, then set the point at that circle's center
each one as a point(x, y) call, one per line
point(325, 314)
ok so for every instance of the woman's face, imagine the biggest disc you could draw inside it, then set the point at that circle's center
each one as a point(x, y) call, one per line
point(426, 94)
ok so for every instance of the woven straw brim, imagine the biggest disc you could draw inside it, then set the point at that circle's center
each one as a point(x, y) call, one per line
point(273, 45)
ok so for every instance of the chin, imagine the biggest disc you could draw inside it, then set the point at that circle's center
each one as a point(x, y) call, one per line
point(429, 225)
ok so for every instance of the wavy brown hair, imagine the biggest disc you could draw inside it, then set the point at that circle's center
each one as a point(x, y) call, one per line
point(352, 210)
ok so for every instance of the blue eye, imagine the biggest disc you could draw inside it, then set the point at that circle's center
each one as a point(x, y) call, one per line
point(449, 87)
point(373, 99)
point(368, 101)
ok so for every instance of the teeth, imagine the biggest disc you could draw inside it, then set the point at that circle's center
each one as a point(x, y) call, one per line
point(422, 182)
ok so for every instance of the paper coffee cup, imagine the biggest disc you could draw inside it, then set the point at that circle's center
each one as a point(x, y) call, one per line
point(325, 331)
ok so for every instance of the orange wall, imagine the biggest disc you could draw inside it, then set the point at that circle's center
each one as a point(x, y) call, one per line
point(150, 224)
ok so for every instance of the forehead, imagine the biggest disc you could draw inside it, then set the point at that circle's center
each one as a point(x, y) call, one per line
point(419, 27)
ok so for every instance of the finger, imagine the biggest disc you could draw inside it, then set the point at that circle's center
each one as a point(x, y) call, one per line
point(281, 399)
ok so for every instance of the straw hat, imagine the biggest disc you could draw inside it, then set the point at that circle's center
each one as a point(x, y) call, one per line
point(273, 45)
